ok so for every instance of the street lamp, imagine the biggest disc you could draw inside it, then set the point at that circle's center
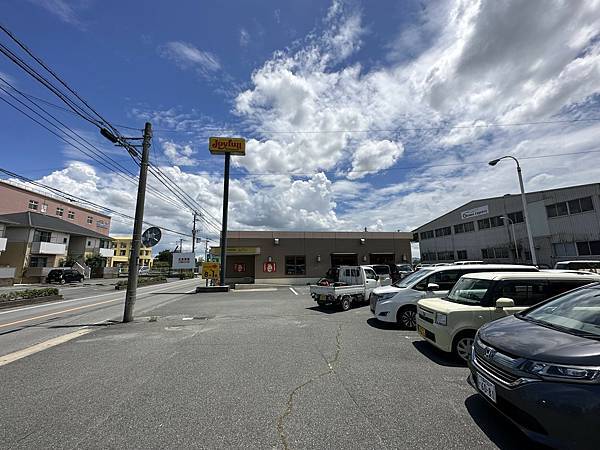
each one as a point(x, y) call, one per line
point(527, 224)
point(512, 225)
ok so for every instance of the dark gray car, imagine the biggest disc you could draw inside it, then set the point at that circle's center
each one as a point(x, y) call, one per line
point(541, 369)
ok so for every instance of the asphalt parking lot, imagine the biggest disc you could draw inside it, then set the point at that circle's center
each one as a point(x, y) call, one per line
point(249, 369)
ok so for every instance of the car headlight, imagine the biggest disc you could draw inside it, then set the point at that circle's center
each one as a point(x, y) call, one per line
point(385, 296)
point(558, 372)
point(441, 319)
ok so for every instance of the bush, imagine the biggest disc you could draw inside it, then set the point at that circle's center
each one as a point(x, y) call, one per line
point(28, 293)
point(141, 281)
point(186, 275)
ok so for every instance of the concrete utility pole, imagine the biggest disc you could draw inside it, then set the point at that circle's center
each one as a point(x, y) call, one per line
point(132, 278)
point(224, 222)
point(194, 235)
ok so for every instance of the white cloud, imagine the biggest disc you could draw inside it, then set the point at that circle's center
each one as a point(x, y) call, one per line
point(244, 37)
point(186, 55)
point(373, 156)
point(179, 155)
point(64, 10)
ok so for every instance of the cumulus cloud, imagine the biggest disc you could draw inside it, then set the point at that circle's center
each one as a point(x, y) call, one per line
point(179, 155)
point(244, 37)
point(65, 11)
point(186, 55)
point(373, 156)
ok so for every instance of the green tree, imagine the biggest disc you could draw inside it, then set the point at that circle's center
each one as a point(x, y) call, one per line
point(94, 262)
point(164, 256)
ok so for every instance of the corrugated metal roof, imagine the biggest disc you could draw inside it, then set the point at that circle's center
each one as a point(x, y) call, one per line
point(42, 221)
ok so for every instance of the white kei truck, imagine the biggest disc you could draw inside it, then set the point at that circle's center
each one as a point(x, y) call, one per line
point(354, 287)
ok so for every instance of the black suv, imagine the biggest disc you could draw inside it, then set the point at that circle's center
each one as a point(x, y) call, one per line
point(63, 276)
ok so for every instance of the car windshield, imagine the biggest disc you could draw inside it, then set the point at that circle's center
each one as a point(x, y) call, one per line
point(412, 278)
point(469, 291)
point(381, 270)
point(577, 312)
point(405, 268)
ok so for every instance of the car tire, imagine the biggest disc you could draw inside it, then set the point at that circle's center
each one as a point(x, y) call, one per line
point(321, 303)
point(346, 303)
point(461, 346)
point(407, 317)
point(62, 281)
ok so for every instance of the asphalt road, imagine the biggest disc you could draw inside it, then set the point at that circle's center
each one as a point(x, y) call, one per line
point(24, 326)
point(249, 369)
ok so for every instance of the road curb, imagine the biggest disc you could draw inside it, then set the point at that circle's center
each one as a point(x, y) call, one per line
point(30, 301)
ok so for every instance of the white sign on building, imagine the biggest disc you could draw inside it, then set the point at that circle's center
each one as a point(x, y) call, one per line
point(184, 260)
point(475, 212)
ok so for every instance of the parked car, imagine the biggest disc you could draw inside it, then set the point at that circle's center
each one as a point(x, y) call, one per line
point(144, 270)
point(450, 323)
point(541, 369)
point(398, 303)
point(404, 270)
point(356, 284)
point(590, 266)
point(63, 276)
point(466, 263)
point(384, 273)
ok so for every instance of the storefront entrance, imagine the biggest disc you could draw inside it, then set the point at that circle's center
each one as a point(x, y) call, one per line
point(382, 258)
point(344, 259)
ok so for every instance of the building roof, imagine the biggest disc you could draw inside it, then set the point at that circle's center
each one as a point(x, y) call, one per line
point(527, 194)
point(318, 235)
point(37, 220)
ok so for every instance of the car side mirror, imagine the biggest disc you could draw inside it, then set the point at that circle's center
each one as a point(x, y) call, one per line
point(377, 277)
point(433, 287)
point(505, 303)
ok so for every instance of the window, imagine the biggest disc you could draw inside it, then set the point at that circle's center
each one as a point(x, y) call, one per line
point(516, 217)
point(90, 220)
point(33, 205)
point(370, 274)
point(38, 261)
point(501, 252)
point(60, 212)
point(295, 265)
point(490, 222)
point(557, 209)
point(494, 253)
point(65, 240)
point(41, 236)
point(496, 221)
point(415, 237)
point(446, 279)
point(482, 224)
point(464, 227)
point(445, 256)
point(445, 231)
point(123, 245)
point(564, 249)
point(580, 205)
point(122, 253)
point(588, 248)
point(71, 215)
point(89, 243)
point(44, 207)
point(427, 234)
point(461, 254)
point(428, 256)
point(522, 292)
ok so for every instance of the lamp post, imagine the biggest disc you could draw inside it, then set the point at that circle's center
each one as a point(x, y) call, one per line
point(523, 199)
point(512, 225)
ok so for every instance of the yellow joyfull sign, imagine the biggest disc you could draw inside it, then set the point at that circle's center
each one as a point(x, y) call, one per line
point(211, 270)
point(222, 145)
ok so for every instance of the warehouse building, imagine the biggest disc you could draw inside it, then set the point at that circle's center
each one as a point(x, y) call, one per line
point(565, 225)
point(285, 257)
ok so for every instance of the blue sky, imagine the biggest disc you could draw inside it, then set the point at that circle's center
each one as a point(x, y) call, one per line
point(357, 114)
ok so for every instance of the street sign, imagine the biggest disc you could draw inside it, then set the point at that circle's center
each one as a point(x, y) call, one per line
point(222, 145)
point(269, 267)
point(184, 260)
point(151, 237)
point(210, 270)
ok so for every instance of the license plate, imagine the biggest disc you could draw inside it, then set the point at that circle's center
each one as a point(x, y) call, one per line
point(486, 387)
point(322, 297)
point(421, 330)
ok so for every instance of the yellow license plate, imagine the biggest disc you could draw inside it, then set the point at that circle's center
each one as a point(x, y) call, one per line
point(421, 330)
point(322, 297)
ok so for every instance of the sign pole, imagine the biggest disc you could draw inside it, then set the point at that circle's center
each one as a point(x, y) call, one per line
point(224, 222)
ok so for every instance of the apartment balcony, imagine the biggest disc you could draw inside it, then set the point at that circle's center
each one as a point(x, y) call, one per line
point(48, 248)
point(106, 252)
point(2, 244)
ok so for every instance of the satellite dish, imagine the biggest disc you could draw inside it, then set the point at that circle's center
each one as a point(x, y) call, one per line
point(151, 237)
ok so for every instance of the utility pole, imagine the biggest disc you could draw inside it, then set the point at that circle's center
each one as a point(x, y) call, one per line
point(224, 222)
point(194, 235)
point(132, 278)
point(181, 245)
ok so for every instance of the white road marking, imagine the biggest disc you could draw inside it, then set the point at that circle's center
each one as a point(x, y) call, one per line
point(12, 357)
point(293, 290)
point(62, 302)
point(254, 290)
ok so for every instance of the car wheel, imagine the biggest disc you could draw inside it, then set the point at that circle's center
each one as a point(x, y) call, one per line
point(462, 346)
point(346, 303)
point(407, 317)
point(320, 303)
point(62, 281)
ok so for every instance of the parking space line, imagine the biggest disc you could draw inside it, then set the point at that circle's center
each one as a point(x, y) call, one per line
point(12, 357)
point(293, 290)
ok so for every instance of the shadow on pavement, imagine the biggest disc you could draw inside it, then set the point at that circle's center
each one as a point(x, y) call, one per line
point(373, 322)
point(496, 427)
point(325, 309)
point(79, 325)
point(436, 355)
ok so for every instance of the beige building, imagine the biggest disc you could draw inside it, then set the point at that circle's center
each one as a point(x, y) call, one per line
point(34, 243)
point(122, 250)
point(287, 257)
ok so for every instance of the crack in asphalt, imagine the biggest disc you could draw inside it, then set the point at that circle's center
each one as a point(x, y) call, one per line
point(290, 401)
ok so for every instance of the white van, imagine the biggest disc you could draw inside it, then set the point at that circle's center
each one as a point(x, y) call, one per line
point(398, 303)
point(588, 266)
point(450, 323)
